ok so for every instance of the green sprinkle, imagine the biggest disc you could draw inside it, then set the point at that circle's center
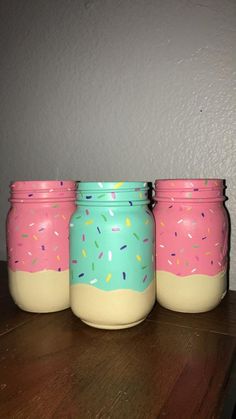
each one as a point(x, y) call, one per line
point(104, 217)
point(96, 244)
point(136, 236)
point(186, 263)
point(79, 216)
point(55, 206)
point(25, 235)
point(206, 181)
point(101, 196)
point(34, 261)
point(196, 246)
point(144, 267)
point(93, 266)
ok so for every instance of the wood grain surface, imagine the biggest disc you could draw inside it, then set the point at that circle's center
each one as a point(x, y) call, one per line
point(170, 366)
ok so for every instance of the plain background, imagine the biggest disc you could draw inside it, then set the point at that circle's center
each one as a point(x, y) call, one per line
point(118, 90)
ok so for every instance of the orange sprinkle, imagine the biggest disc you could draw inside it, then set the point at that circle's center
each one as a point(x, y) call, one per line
point(162, 224)
point(208, 253)
point(35, 237)
point(58, 257)
point(64, 218)
point(177, 261)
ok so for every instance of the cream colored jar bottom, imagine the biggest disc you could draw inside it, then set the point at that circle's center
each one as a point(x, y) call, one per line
point(117, 309)
point(190, 294)
point(40, 292)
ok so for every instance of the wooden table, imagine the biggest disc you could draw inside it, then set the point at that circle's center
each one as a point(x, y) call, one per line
point(172, 365)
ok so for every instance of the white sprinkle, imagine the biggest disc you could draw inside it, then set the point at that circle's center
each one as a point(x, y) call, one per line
point(211, 210)
point(110, 255)
point(71, 225)
point(93, 281)
point(32, 224)
point(193, 270)
point(180, 221)
point(100, 184)
point(111, 212)
point(191, 184)
point(219, 264)
point(51, 190)
point(217, 244)
point(170, 263)
point(11, 249)
point(29, 253)
point(56, 233)
point(162, 245)
point(189, 235)
point(172, 199)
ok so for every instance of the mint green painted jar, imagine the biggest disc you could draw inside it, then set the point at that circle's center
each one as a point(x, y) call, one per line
point(112, 254)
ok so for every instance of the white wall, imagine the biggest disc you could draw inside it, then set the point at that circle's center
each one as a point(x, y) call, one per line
point(118, 89)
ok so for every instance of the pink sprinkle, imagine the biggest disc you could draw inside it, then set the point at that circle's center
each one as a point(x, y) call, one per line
point(145, 240)
point(115, 229)
point(219, 264)
point(83, 238)
point(74, 261)
point(87, 212)
point(100, 255)
point(144, 279)
point(113, 195)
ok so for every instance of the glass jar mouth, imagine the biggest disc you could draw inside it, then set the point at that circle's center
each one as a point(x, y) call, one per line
point(42, 190)
point(194, 190)
point(116, 193)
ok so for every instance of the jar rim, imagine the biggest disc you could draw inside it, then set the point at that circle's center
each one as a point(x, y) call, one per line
point(42, 185)
point(111, 185)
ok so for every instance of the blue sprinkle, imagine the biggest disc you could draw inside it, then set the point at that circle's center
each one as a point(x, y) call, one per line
point(131, 203)
point(212, 262)
point(98, 229)
point(88, 196)
point(195, 190)
point(123, 247)
point(80, 275)
point(59, 269)
point(124, 275)
point(172, 254)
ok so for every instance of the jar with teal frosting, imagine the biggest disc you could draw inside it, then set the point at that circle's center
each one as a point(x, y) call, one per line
point(112, 254)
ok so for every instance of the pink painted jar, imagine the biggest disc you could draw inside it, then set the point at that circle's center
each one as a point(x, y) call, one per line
point(38, 244)
point(191, 244)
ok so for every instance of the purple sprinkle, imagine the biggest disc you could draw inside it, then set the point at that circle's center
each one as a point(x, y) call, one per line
point(43, 247)
point(145, 240)
point(197, 258)
point(98, 229)
point(172, 254)
point(175, 234)
point(131, 203)
point(100, 255)
point(74, 261)
point(61, 183)
point(124, 275)
point(212, 262)
point(144, 279)
point(195, 190)
point(80, 275)
point(41, 229)
point(203, 238)
point(87, 212)
point(59, 269)
point(16, 261)
point(30, 194)
point(171, 206)
point(123, 247)
point(137, 189)
point(113, 195)
point(83, 237)
point(203, 215)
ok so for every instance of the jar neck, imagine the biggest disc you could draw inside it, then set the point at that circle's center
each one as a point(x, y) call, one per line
point(190, 190)
point(34, 192)
point(112, 194)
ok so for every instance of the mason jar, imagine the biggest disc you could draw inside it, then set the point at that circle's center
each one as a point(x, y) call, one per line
point(112, 254)
point(38, 245)
point(191, 244)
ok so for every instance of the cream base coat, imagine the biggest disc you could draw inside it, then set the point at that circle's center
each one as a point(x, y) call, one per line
point(117, 309)
point(40, 292)
point(190, 294)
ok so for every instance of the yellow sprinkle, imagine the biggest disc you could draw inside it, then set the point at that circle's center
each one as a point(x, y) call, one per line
point(118, 185)
point(207, 253)
point(84, 253)
point(162, 224)
point(108, 278)
point(177, 261)
point(140, 195)
point(35, 237)
point(138, 257)
point(64, 218)
point(89, 222)
point(189, 208)
point(128, 222)
point(58, 257)
point(146, 221)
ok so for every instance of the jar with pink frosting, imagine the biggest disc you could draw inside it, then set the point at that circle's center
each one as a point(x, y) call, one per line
point(38, 244)
point(191, 244)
